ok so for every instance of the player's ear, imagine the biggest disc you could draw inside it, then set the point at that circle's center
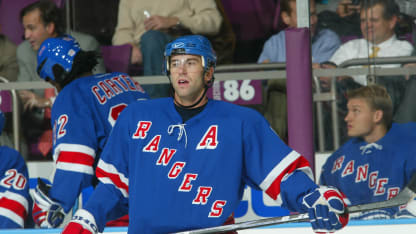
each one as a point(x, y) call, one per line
point(209, 75)
point(378, 116)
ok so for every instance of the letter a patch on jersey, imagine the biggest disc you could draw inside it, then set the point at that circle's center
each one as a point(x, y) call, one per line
point(210, 139)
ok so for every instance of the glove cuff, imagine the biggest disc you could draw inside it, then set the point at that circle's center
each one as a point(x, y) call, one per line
point(86, 219)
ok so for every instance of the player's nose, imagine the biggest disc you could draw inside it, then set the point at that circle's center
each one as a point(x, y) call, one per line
point(347, 118)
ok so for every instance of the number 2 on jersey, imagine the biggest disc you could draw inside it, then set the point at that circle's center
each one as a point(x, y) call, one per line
point(62, 121)
point(115, 112)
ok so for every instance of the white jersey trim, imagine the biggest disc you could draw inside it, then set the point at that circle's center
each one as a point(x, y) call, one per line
point(16, 197)
point(307, 171)
point(72, 148)
point(110, 168)
point(278, 169)
point(278, 200)
point(12, 216)
point(75, 168)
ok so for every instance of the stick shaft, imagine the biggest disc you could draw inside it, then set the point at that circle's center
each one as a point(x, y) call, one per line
point(403, 198)
point(251, 224)
point(406, 195)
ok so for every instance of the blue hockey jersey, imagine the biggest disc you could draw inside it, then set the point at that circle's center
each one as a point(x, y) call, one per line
point(14, 190)
point(82, 117)
point(372, 172)
point(178, 176)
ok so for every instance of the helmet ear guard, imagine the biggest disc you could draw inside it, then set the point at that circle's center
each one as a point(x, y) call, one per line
point(58, 72)
point(56, 58)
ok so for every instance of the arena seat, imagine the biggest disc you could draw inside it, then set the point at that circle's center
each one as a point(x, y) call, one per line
point(252, 19)
point(116, 57)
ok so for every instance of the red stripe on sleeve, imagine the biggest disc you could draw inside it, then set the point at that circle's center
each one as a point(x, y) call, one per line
point(14, 206)
point(100, 173)
point(76, 157)
point(274, 190)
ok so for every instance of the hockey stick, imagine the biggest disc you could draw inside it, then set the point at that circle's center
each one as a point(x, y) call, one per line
point(406, 195)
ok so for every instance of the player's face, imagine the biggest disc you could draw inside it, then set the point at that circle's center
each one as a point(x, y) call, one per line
point(361, 119)
point(188, 78)
point(374, 27)
point(35, 30)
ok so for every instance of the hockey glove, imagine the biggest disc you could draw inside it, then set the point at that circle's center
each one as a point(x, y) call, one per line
point(326, 208)
point(82, 223)
point(46, 213)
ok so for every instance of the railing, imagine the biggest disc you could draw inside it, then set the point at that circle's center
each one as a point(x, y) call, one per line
point(15, 116)
point(257, 72)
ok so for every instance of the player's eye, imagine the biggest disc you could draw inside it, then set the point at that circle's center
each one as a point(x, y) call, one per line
point(175, 63)
point(191, 63)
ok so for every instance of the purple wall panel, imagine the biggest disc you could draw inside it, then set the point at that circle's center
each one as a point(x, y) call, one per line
point(299, 92)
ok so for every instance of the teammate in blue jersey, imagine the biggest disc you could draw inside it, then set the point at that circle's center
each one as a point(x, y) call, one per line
point(83, 115)
point(182, 162)
point(14, 187)
point(379, 160)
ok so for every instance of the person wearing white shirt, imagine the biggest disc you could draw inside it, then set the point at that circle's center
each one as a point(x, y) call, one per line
point(378, 20)
point(362, 48)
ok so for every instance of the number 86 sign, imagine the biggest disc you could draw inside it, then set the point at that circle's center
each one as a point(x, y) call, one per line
point(240, 92)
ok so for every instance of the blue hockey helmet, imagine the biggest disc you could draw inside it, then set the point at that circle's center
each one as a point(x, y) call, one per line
point(2, 121)
point(59, 51)
point(192, 44)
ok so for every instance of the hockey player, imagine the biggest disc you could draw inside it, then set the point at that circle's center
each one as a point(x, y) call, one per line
point(83, 115)
point(182, 162)
point(379, 159)
point(14, 187)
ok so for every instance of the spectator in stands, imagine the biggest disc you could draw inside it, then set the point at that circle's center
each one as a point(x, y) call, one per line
point(343, 18)
point(8, 61)
point(8, 70)
point(378, 20)
point(42, 20)
point(406, 112)
point(324, 43)
point(348, 7)
point(379, 159)
point(15, 200)
point(149, 25)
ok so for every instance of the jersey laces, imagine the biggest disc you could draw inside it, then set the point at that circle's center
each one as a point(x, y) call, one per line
point(366, 149)
point(181, 131)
